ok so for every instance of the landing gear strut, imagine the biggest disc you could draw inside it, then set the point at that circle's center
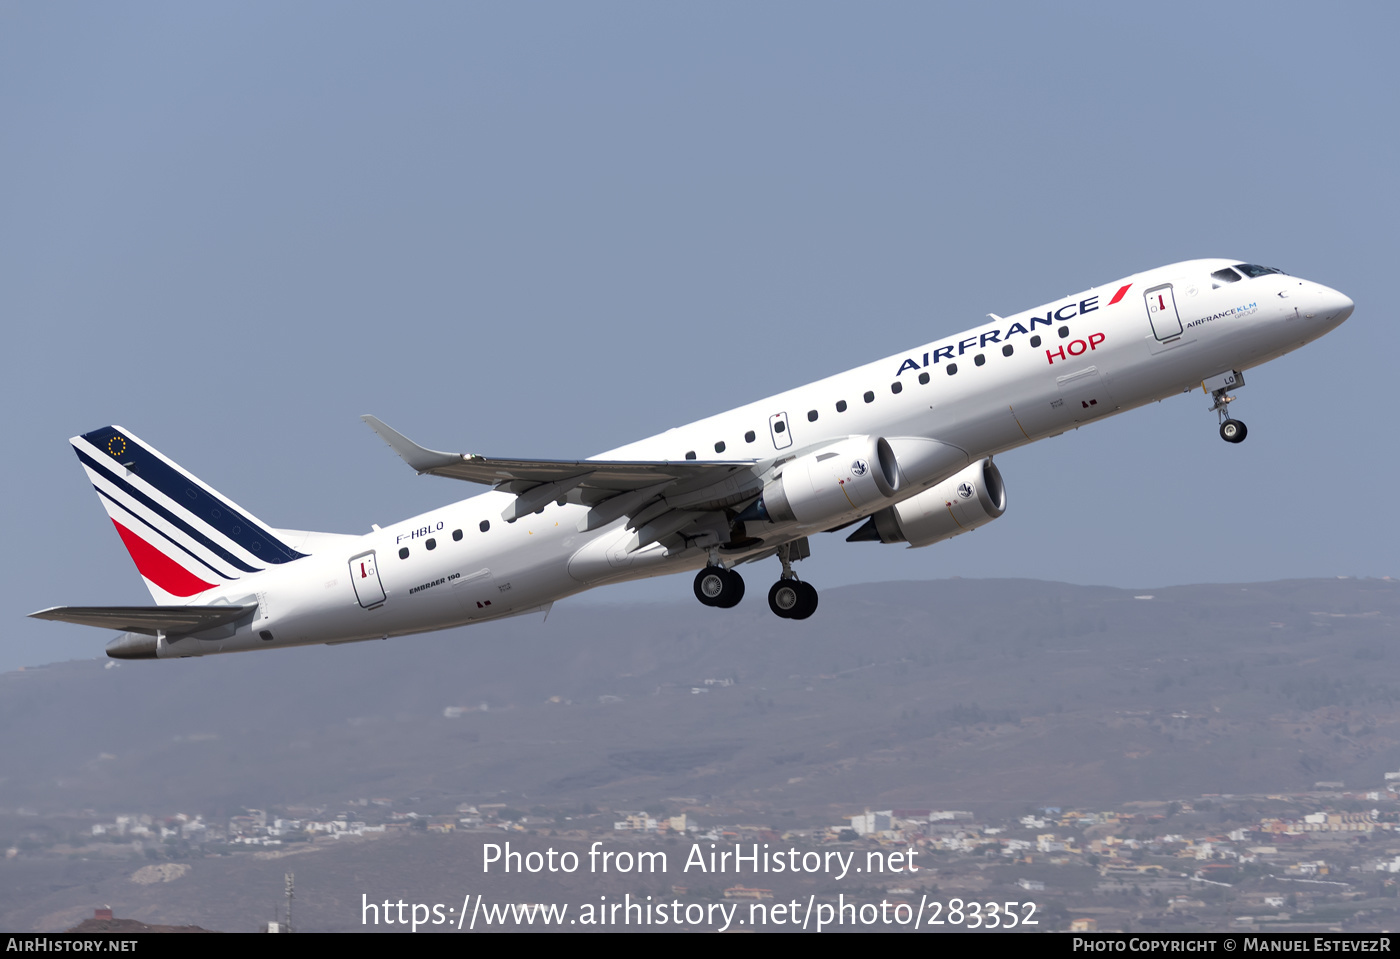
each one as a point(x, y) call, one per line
point(1231, 430)
point(791, 598)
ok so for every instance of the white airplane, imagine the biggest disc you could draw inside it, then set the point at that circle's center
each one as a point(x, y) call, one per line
point(904, 443)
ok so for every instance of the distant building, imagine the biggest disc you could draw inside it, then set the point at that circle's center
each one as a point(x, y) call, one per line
point(872, 822)
point(1339, 822)
point(636, 822)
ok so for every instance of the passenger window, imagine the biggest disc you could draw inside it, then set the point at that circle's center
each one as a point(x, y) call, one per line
point(403, 552)
point(980, 358)
point(1007, 350)
point(750, 436)
point(923, 378)
point(431, 544)
point(840, 406)
point(1035, 341)
point(719, 447)
point(485, 525)
point(456, 536)
point(780, 426)
point(690, 455)
point(952, 368)
point(1064, 332)
point(869, 397)
point(811, 416)
point(896, 387)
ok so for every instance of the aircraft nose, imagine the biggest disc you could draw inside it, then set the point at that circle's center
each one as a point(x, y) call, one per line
point(1334, 307)
point(1344, 307)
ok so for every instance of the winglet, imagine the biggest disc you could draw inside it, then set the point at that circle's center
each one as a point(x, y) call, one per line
point(420, 458)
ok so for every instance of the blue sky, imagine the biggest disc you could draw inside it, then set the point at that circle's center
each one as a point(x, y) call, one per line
point(546, 230)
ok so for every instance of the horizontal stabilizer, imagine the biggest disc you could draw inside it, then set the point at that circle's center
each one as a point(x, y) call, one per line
point(174, 620)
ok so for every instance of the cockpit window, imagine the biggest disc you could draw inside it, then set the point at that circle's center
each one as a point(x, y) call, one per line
point(1253, 270)
point(1221, 277)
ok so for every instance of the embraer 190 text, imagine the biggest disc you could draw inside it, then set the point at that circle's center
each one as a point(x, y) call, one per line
point(904, 444)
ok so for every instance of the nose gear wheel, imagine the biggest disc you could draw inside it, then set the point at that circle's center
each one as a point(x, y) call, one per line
point(1233, 431)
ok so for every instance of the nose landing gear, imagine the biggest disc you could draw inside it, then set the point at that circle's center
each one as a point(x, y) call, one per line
point(1231, 430)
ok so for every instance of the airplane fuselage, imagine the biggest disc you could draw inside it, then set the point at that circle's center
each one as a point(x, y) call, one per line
point(955, 401)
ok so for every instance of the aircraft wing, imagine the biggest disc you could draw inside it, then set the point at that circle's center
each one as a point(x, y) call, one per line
point(518, 475)
point(662, 499)
point(147, 619)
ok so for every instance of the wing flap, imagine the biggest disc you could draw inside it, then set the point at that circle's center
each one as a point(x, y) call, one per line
point(174, 620)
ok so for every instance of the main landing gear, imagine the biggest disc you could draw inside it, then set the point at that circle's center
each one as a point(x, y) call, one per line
point(789, 598)
point(717, 586)
point(792, 599)
point(1231, 430)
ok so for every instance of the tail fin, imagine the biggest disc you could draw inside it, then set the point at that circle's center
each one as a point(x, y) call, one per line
point(185, 537)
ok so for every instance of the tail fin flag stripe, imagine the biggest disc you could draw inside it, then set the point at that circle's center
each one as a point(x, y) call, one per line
point(165, 514)
point(159, 532)
point(189, 494)
point(159, 568)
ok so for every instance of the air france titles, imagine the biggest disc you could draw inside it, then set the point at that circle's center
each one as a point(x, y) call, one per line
point(1233, 313)
point(1024, 325)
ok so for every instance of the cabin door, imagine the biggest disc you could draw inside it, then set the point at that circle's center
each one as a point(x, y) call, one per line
point(365, 575)
point(778, 427)
point(1161, 312)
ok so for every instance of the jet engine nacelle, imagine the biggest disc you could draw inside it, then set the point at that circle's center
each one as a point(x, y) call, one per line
point(830, 484)
point(972, 498)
